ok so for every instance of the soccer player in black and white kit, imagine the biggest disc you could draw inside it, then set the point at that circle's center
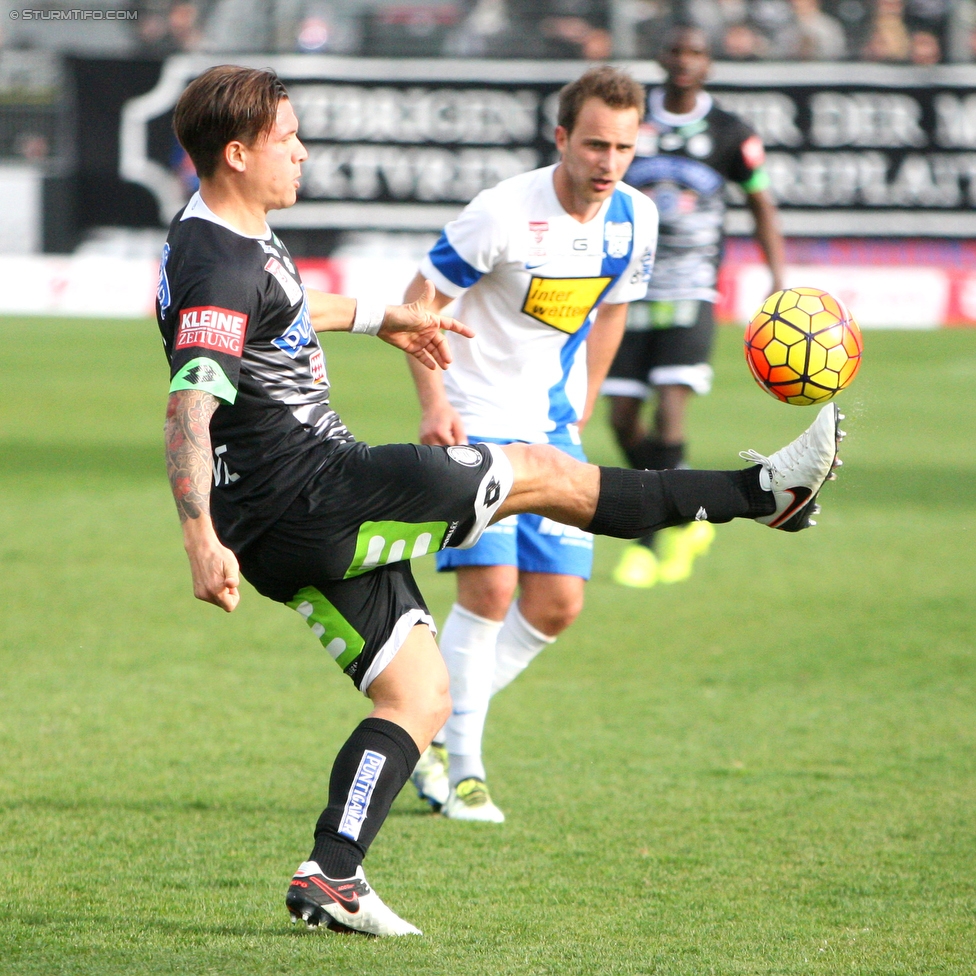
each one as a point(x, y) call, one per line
point(269, 483)
point(687, 152)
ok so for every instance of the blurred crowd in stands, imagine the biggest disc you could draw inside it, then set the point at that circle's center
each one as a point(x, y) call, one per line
point(921, 32)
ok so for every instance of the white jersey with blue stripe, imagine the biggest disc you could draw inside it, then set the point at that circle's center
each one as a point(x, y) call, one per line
point(528, 278)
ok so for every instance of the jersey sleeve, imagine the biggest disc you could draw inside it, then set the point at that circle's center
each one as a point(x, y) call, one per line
point(210, 328)
point(631, 286)
point(748, 164)
point(468, 248)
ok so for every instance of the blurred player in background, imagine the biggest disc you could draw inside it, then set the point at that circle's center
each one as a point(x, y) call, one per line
point(541, 267)
point(687, 150)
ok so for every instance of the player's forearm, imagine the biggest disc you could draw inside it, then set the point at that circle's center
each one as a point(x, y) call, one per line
point(768, 235)
point(330, 313)
point(601, 346)
point(188, 458)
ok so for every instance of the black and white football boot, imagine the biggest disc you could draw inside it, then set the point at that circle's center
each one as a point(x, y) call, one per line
point(343, 905)
point(796, 473)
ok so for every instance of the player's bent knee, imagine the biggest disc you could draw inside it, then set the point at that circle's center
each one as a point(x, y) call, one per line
point(554, 620)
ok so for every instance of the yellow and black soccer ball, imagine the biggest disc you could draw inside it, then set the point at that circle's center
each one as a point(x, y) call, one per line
point(803, 346)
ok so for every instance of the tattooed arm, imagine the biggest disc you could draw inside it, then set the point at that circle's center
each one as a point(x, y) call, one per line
point(190, 467)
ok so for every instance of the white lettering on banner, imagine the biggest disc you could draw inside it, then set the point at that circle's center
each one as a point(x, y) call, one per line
point(352, 113)
point(955, 121)
point(363, 172)
point(866, 119)
point(771, 114)
point(841, 179)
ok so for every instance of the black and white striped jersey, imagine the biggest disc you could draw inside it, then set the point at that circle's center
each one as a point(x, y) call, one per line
point(235, 323)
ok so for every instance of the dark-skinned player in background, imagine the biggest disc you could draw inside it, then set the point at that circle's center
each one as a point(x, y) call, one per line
point(687, 151)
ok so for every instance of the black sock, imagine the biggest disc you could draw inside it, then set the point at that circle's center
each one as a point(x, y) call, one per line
point(633, 503)
point(651, 454)
point(369, 772)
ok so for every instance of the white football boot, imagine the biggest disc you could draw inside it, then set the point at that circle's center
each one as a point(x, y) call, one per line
point(430, 776)
point(470, 800)
point(796, 473)
point(345, 905)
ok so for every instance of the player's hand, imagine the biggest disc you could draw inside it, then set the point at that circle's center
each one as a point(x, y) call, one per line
point(416, 329)
point(216, 575)
point(442, 427)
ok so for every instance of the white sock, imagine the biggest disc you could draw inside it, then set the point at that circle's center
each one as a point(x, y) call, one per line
point(517, 644)
point(468, 648)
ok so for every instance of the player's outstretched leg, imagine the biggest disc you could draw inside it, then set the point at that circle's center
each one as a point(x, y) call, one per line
point(779, 490)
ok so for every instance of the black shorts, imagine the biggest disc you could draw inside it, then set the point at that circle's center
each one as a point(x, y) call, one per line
point(340, 553)
point(666, 343)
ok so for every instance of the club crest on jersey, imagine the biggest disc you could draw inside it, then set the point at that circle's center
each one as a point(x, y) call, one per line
point(210, 327)
point(564, 303)
point(297, 335)
point(360, 793)
point(618, 235)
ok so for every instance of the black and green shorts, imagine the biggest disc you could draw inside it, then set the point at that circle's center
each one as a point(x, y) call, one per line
point(340, 554)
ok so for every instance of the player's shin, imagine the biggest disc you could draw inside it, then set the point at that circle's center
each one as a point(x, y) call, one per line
point(369, 771)
point(633, 503)
point(468, 647)
point(518, 644)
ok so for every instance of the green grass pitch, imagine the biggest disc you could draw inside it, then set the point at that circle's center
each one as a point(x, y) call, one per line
point(767, 769)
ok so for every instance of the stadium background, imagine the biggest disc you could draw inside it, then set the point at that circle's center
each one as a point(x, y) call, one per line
point(769, 769)
point(866, 108)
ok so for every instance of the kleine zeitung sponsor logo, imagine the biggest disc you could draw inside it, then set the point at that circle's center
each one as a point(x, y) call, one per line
point(211, 327)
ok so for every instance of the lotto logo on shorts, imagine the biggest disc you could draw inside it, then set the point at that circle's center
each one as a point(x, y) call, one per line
point(210, 327)
point(360, 793)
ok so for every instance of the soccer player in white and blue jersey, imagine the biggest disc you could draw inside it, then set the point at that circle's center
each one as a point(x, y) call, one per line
point(541, 266)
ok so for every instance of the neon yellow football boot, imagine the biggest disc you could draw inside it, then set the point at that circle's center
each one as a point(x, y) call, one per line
point(679, 547)
point(638, 567)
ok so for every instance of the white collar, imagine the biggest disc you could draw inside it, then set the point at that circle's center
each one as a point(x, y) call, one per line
point(703, 105)
point(197, 208)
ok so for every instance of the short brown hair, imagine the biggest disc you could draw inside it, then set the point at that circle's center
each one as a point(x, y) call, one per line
point(225, 103)
point(611, 85)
